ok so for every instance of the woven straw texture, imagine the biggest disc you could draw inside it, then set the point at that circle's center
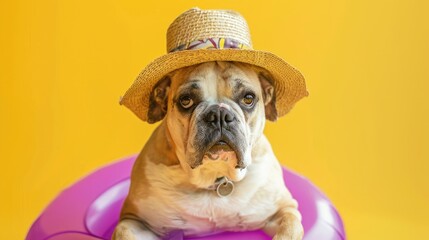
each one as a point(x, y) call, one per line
point(194, 24)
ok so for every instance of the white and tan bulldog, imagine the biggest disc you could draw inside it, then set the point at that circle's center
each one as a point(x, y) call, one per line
point(208, 166)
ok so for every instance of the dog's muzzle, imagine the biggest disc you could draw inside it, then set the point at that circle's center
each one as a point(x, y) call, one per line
point(219, 129)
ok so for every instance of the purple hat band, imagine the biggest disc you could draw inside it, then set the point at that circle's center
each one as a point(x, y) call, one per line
point(212, 43)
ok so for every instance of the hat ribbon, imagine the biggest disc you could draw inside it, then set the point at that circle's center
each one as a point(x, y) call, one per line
point(211, 43)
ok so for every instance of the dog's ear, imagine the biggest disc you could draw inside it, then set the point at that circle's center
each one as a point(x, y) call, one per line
point(269, 95)
point(158, 100)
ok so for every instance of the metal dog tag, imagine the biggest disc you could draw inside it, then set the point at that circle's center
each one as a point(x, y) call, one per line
point(225, 189)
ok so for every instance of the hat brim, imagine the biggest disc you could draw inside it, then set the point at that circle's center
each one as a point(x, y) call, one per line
point(289, 83)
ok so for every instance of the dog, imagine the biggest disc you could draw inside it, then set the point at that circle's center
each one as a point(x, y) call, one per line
point(208, 167)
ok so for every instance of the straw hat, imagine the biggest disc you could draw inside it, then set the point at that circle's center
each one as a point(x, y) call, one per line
point(198, 36)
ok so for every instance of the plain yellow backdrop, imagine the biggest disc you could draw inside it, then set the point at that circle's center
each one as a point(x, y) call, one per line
point(361, 135)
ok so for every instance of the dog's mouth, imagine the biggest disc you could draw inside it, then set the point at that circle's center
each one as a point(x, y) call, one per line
point(220, 159)
point(220, 147)
point(226, 151)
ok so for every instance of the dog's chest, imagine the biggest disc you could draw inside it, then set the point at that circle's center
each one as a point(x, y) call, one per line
point(207, 213)
point(247, 208)
point(212, 213)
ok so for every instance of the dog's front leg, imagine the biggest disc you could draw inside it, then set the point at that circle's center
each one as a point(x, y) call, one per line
point(128, 229)
point(286, 223)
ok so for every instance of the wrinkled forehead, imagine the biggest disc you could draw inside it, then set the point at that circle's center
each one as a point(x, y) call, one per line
point(225, 77)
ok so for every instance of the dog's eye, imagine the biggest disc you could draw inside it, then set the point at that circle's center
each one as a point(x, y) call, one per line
point(248, 99)
point(186, 101)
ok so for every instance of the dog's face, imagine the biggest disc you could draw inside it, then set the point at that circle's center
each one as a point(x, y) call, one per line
point(214, 113)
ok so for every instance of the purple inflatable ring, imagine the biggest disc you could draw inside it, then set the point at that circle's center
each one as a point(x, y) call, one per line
point(89, 209)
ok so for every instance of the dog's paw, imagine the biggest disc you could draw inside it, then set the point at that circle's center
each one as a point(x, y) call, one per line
point(287, 237)
point(123, 233)
point(132, 230)
point(291, 233)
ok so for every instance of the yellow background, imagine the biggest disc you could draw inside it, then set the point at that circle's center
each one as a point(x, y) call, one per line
point(361, 136)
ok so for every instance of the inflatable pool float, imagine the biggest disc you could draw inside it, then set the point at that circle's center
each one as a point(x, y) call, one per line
point(89, 209)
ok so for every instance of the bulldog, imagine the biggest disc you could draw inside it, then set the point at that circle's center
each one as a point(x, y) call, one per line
point(208, 166)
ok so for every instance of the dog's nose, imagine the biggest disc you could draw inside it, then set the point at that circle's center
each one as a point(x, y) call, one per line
point(219, 117)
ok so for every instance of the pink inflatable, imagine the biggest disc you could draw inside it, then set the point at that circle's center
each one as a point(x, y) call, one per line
point(89, 209)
